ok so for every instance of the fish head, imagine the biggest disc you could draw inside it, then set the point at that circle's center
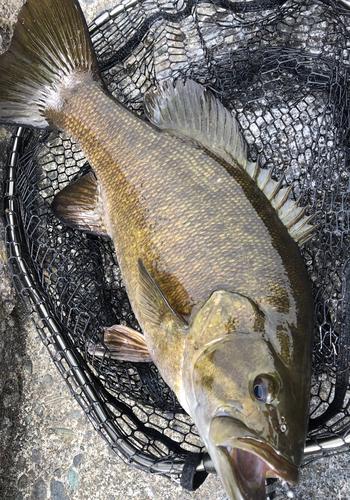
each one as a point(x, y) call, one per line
point(249, 405)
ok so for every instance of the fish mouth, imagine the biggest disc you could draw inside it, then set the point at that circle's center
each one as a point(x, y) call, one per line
point(244, 461)
point(252, 464)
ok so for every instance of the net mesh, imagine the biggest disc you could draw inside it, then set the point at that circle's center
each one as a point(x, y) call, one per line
point(282, 68)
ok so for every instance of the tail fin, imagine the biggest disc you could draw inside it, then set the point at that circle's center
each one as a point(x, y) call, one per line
point(50, 51)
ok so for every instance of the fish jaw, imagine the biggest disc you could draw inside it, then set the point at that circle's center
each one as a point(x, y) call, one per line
point(243, 460)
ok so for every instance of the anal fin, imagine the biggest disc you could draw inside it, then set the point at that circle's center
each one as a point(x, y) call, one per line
point(79, 205)
point(124, 344)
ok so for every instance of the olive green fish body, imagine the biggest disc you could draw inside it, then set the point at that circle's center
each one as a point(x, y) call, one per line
point(198, 224)
point(204, 240)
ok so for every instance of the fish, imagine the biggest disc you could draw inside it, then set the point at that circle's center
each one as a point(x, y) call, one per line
point(208, 244)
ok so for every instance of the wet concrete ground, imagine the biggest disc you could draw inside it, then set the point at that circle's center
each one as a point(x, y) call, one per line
point(48, 450)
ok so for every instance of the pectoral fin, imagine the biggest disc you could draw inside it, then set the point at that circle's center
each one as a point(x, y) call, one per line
point(124, 344)
point(152, 302)
point(79, 205)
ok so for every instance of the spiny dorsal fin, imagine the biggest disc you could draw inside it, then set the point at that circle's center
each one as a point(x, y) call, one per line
point(188, 109)
point(153, 304)
point(79, 205)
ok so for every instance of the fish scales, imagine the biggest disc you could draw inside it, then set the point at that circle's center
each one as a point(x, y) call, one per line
point(216, 281)
point(172, 199)
point(198, 224)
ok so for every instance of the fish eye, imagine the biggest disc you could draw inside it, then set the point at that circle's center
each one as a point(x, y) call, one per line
point(264, 388)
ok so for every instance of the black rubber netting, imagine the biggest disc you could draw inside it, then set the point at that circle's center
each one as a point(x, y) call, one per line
point(282, 67)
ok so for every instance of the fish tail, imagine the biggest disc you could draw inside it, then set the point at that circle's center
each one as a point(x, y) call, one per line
point(50, 55)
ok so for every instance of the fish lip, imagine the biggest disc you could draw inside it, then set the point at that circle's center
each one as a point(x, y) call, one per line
point(278, 466)
point(244, 456)
point(251, 463)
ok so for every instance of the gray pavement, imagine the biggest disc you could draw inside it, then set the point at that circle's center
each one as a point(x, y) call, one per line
point(48, 450)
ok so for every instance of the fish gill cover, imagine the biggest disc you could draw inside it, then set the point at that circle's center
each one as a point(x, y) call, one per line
point(282, 68)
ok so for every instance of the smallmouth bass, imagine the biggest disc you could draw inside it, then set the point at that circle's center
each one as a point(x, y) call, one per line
point(206, 242)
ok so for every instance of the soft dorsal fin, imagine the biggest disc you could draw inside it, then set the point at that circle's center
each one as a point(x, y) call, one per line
point(188, 109)
point(152, 303)
point(191, 110)
point(80, 205)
